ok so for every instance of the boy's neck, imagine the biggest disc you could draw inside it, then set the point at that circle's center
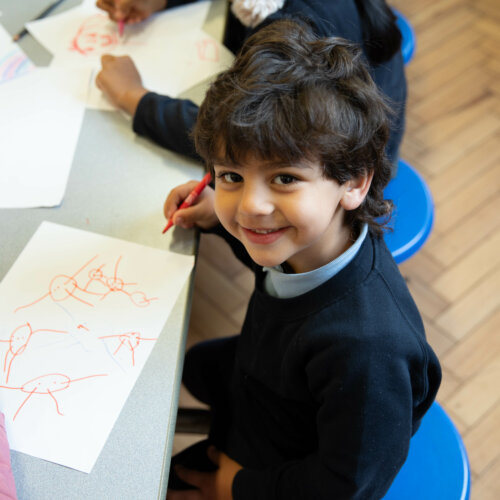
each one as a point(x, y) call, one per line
point(342, 239)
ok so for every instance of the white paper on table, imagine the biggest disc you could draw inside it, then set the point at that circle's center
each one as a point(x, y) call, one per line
point(40, 123)
point(13, 61)
point(80, 36)
point(170, 50)
point(79, 315)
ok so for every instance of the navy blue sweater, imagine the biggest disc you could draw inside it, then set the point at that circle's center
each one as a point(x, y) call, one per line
point(328, 387)
point(169, 121)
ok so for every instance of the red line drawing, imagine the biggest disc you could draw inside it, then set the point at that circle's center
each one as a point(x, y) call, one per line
point(94, 36)
point(18, 342)
point(130, 340)
point(208, 50)
point(116, 284)
point(47, 384)
point(62, 287)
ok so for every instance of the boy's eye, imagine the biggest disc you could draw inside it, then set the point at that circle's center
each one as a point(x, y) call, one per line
point(285, 179)
point(229, 177)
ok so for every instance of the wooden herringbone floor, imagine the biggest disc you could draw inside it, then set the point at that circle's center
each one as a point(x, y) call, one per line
point(452, 138)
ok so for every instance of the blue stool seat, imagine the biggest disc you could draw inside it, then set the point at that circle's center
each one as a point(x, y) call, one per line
point(437, 467)
point(413, 212)
point(408, 42)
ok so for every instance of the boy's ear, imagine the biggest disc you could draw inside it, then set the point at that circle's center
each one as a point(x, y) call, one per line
point(356, 191)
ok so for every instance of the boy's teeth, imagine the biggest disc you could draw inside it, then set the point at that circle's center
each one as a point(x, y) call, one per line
point(263, 231)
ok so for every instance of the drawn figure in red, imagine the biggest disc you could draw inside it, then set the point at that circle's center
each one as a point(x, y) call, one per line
point(95, 36)
point(18, 342)
point(116, 284)
point(130, 340)
point(207, 50)
point(63, 287)
point(47, 385)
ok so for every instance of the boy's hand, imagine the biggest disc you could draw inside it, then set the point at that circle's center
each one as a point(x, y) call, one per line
point(120, 82)
point(131, 11)
point(211, 485)
point(201, 213)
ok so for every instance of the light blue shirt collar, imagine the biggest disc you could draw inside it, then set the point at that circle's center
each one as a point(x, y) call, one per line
point(282, 285)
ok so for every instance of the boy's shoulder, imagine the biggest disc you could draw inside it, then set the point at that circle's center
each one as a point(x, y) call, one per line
point(369, 298)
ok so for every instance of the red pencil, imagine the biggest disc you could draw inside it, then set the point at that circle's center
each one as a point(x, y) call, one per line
point(121, 27)
point(190, 198)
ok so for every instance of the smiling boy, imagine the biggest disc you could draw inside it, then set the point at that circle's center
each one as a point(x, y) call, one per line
point(319, 395)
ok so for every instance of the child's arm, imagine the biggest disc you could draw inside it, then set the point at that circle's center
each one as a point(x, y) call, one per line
point(200, 214)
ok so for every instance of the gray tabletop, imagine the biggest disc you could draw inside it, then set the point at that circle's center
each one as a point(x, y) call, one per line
point(116, 187)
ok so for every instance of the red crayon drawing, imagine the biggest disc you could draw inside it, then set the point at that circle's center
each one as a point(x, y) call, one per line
point(130, 340)
point(98, 286)
point(208, 50)
point(95, 36)
point(18, 342)
point(62, 287)
point(47, 385)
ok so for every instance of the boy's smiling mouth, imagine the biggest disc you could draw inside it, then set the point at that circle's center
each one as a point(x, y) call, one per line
point(263, 236)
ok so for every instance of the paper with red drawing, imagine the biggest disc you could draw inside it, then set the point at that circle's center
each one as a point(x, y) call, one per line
point(170, 50)
point(79, 315)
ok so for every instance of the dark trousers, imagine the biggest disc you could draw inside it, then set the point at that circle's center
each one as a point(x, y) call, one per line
point(207, 375)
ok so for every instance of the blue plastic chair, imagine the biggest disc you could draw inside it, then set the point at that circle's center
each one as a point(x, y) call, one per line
point(408, 42)
point(437, 467)
point(413, 214)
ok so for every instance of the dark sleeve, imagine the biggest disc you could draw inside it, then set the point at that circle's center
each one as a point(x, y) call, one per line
point(175, 3)
point(168, 122)
point(365, 398)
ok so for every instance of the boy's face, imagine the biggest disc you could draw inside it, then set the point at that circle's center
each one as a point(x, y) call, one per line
point(280, 213)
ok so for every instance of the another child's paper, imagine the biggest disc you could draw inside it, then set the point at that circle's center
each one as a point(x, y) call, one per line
point(40, 120)
point(170, 50)
point(13, 61)
point(79, 315)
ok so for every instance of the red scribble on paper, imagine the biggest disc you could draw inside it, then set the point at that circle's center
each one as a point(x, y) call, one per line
point(98, 285)
point(47, 385)
point(18, 342)
point(62, 287)
point(130, 340)
point(94, 36)
point(208, 50)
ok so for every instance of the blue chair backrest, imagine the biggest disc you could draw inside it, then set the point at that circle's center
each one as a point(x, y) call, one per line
point(437, 467)
point(408, 42)
point(413, 215)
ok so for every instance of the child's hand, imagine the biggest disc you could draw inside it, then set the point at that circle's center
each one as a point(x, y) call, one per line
point(201, 213)
point(131, 11)
point(120, 81)
point(211, 485)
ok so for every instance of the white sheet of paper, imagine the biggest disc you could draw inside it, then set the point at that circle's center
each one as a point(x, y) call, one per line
point(79, 315)
point(170, 50)
point(13, 61)
point(40, 123)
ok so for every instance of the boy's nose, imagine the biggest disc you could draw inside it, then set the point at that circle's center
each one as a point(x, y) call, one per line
point(255, 200)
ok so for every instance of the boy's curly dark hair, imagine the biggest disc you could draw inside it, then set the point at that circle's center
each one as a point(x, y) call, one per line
point(290, 96)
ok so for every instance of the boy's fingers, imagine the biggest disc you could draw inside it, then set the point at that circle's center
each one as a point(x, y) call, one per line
point(183, 495)
point(106, 58)
point(187, 217)
point(176, 197)
point(213, 454)
point(190, 476)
